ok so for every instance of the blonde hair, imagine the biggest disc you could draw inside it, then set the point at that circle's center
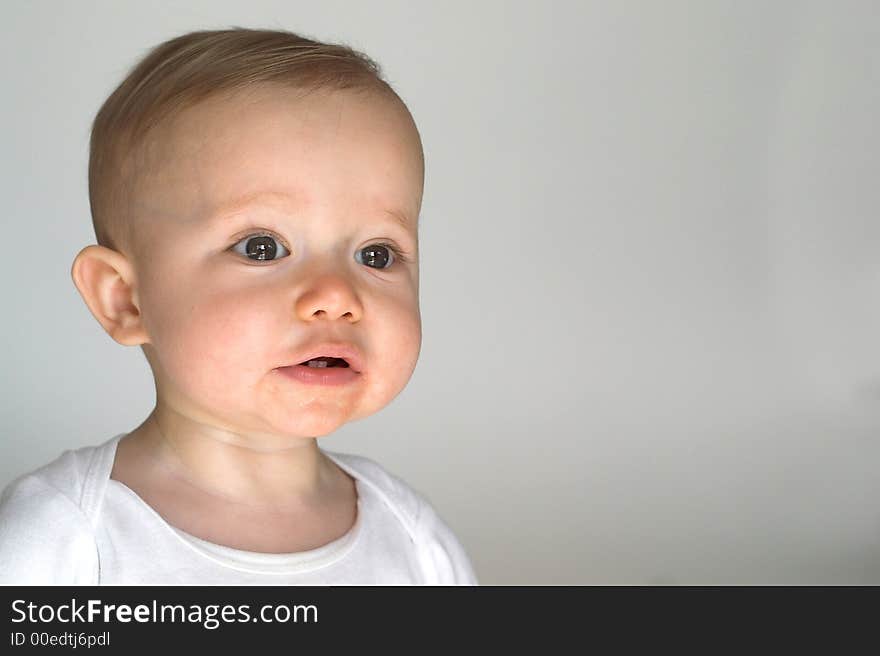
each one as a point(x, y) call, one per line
point(190, 68)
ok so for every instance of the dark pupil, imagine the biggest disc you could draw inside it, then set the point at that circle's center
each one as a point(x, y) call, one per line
point(375, 254)
point(263, 247)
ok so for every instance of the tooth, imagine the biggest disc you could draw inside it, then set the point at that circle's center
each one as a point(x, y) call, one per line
point(317, 363)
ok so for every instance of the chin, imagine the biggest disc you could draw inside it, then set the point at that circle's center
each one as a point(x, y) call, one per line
point(315, 428)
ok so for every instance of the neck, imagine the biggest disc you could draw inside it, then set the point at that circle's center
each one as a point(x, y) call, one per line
point(254, 469)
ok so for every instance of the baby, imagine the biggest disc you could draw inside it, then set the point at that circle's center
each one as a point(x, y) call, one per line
point(255, 197)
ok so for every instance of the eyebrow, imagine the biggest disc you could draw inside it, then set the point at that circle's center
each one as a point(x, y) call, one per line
point(399, 217)
point(261, 197)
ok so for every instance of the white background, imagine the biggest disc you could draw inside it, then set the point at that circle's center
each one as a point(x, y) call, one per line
point(650, 280)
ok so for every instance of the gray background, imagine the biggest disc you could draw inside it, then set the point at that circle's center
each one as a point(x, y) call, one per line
point(650, 285)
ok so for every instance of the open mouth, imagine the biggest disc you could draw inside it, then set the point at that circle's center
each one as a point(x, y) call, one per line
point(323, 362)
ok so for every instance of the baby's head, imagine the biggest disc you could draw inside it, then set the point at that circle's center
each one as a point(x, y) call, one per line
point(255, 198)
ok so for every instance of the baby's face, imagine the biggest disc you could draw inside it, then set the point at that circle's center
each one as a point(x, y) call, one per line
point(324, 189)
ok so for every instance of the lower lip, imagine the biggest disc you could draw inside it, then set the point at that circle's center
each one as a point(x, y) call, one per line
point(319, 375)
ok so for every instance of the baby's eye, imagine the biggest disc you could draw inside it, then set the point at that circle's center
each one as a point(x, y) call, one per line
point(382, 255)
point(260, 247)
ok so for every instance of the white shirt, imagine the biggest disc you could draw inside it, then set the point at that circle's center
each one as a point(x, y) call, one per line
point(69, 523)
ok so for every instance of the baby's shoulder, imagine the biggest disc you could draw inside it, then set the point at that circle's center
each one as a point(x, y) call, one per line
point(68, 475)
point(442, 555)
point(46, 535)
point(400, 497)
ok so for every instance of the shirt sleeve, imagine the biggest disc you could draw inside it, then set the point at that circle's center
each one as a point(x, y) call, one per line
point(442, 555)
point(45, 539)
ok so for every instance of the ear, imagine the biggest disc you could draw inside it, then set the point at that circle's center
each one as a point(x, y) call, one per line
point(106, 281)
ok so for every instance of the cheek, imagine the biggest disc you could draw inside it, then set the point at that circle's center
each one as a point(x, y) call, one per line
point(397, 328)
point(408, 339)
point(213, 345)
point(396, 341)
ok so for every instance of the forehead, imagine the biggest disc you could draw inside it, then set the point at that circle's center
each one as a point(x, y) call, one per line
point(274, 146)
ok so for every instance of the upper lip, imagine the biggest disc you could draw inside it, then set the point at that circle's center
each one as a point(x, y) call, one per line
point(348, 352)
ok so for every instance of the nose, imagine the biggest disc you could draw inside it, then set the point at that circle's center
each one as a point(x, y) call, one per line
point(331, 297)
